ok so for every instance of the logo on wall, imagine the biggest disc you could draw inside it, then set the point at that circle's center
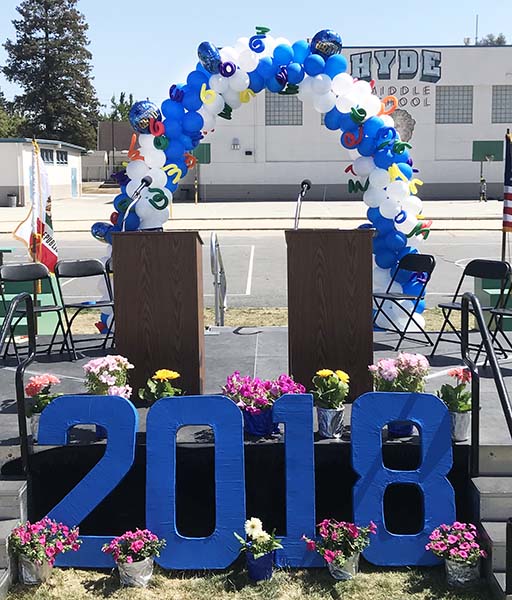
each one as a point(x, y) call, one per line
point(403, 64)
point(404, 124)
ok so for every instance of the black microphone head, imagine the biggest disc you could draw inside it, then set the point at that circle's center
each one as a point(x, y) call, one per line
point(147, 180)
point(306, 184)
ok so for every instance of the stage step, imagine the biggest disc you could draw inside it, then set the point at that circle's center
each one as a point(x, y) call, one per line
point(497, 583)
point(496, 460)
point(496, 532)
point(493, 497)
point(6, 578)
point(13, 499)
point(6, 527)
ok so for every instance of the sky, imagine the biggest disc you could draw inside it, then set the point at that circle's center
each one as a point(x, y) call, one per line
point(143, 47)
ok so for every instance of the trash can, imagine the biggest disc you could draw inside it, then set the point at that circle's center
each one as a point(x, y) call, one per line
point(12, 199)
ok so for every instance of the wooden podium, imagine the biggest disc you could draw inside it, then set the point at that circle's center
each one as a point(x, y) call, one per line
point(330, 304)
point(159, 321)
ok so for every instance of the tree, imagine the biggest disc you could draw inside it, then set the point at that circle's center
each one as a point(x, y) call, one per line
point(119, 111)
point(51, 63)
point(492, 40)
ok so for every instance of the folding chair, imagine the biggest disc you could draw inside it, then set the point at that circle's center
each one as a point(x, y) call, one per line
point(496, 270)
point(80, 269)
point(421, 265)
point(29, 273)
point(499, 313)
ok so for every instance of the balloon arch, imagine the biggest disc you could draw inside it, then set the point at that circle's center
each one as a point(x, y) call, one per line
point(161, 154)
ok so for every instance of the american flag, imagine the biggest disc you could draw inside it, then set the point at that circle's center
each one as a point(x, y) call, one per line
point(507, 185)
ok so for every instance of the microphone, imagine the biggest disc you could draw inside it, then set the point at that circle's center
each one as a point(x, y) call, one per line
point(305, 186)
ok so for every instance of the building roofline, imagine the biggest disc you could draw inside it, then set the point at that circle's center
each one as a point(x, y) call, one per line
point(422, 47)
point(40, 141)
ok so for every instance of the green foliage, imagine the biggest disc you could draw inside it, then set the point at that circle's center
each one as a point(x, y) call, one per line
point(158, 388)
point(119, 109)
point(39, 403)
point(492, 40)
point(456, 398)
point(49, 60)
point(331, 388)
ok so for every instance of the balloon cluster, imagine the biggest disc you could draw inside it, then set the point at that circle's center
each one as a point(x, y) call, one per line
point(228, 77)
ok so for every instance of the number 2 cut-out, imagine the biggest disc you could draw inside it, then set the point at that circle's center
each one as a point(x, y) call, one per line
point(119, 417)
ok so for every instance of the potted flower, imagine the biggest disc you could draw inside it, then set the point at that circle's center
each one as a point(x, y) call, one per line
point(38, 389)
point(160, 386)
point(107, 376)
point(133, 553)
point(329, 393)
point(406, 373)
point(37, 544)
point(458, 545)
point(340, 544)
point(458, 401)
point(255, 398)
point(260, 548)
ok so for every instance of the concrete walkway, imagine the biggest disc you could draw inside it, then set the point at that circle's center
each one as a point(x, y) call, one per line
point(78, 214)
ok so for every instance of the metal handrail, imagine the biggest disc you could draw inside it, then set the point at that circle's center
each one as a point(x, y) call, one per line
point(476, 310)
point(219, 280)
point(26, 298)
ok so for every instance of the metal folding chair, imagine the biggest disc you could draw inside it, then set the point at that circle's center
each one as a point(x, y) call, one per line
point(26, 275)
point(80, 269)
point(496, 270)
point(421, 265)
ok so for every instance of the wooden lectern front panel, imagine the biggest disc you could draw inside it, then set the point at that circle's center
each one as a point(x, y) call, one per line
point(330, 304)
point(159, 321)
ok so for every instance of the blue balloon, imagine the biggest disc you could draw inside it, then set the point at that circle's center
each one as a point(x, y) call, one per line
point(132, 222)
point(326, 43)
point(379, 244)
point(196, 79)
point(335, 65)
point(140, 114)
point(173, 110)
point(395, 241)
point(332, 119)
point(283, 54)
point(273, 85)
point(373, 215)
point(365, 226)
point(173, 128)
point(295, 73)
point(256, 82)
point(406, 170)
point(267, 68)
point(372, 126)
point(314, 65)
point(385, 259)
point(121, 203)
point(113, 229)
point(383, 159)
point(191, 100)
point(201, 69)
point(347, 123)
point(301, 50)
point(209, 57)
point(366, 147)
point(186, 141)
point(174, 151)
point(192, 122)
point(384, 225)
point(170, 185)
point(99, 231)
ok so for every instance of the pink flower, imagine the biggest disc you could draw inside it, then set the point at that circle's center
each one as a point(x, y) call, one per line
point(129, 559)
point(137, 546)
point(469, 536)
point(452, 539)
point(463, 554)
point(329, 556)
point(311, 545)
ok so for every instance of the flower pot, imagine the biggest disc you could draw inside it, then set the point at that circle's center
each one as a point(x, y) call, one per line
point(330, 421)
point(349, 570)
point(260, 569)
point(398, 429)
point(460, 423)
point(459, 575)
point(261, 424)
point(136, 574)
point(34, 426)
point(32, 573)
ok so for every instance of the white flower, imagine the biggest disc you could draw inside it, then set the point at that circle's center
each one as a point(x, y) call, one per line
point(253, 527)
point(262, 537)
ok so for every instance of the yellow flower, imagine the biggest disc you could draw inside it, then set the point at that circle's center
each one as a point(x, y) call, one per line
point(165, 375)
point(325, 373)
point(343, 376)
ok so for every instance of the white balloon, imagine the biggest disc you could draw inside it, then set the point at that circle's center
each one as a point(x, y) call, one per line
point(363, 166)
point(132, 186)
point(242, 44)
point(322, 84)
point(208, 119)
point(389, 208)
point(374, 196)
point(137, 169)
point(408, 225)
point(219, 83)
point(239, 81)
point(398, 190)
point(232, 98)
point(159, 178)
point(229, 54)
point(388, 120)
point(215, 107)
point(306, 88)
point(146, 140)
point(416, 241)
point(413, 205)
point(371, 105)
point(323, 103)
point(342, 84)
point(270, 44)
point(248, 60)
point(379, 178)
point(361, 89)
point(155, 159)
point(381, 279)
point(345, 103)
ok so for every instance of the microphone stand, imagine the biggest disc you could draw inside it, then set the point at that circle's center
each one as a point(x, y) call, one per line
point(304, 187)
point(145, 182)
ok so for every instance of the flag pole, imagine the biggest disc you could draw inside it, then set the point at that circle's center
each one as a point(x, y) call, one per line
point(508, 141)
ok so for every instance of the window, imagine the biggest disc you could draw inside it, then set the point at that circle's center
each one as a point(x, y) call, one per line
point(454, 104)
point(501, 104)
point(282, 109)
point(62, 157)
point(47, 155)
